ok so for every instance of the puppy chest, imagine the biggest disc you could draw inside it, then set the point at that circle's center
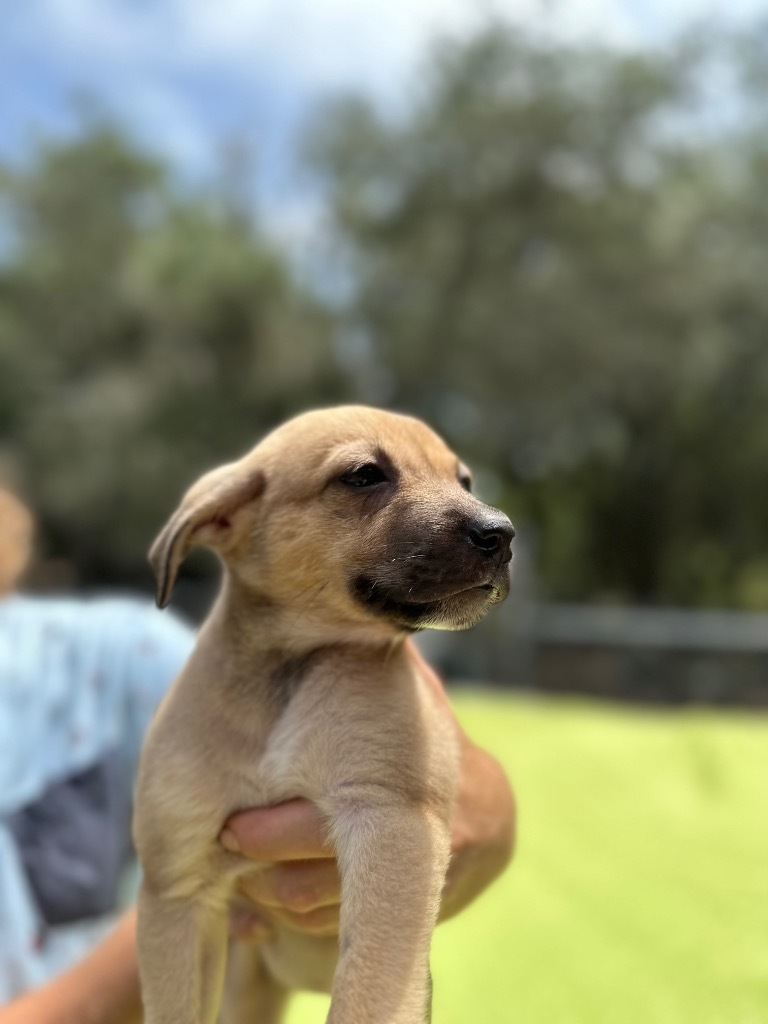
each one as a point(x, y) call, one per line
point(334, 738)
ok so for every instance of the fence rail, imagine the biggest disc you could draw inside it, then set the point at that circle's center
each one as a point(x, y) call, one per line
point(661, 655)
point(672, 629)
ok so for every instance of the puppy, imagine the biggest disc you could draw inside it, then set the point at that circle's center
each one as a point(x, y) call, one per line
point(341, 533)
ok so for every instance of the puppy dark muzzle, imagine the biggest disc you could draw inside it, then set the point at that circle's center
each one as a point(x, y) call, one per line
point(440, 576)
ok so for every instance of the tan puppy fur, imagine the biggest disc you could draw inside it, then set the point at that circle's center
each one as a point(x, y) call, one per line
point(343, 532)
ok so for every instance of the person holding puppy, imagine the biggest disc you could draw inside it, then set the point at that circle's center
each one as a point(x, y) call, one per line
point(80, 682)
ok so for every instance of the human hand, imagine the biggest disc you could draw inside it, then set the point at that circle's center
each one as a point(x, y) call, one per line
point(102, 988)
point(301, 888)
point(484, 821)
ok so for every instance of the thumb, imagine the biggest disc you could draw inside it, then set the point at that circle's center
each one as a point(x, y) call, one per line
point(294, 830)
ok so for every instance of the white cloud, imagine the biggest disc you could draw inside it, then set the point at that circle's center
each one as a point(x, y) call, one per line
point(344, 42)
point(306, 47)
point(320, 44)
point(280, 55)
point(317, 43)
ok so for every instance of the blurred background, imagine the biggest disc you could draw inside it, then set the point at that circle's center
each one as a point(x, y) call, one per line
point(542, 227)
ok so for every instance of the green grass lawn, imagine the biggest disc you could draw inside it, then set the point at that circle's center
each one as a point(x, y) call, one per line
point(639, 892)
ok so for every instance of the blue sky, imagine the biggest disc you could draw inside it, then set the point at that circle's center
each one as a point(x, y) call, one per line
point(184, 75)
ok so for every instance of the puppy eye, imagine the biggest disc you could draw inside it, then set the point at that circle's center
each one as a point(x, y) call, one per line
point(368, 475)
point(466, 481)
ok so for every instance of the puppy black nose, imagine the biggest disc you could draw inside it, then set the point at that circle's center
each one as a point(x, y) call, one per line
point(492, 536)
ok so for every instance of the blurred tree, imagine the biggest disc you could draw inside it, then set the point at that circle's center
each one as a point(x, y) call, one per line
point(145, 334)
point(558, 255)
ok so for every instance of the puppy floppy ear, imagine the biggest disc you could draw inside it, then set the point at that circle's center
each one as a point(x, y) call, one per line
point(208, 515)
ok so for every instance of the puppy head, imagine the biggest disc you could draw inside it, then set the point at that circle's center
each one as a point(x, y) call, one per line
point(349, 515)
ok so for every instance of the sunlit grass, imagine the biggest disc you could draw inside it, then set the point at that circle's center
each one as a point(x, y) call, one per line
point(639, 894)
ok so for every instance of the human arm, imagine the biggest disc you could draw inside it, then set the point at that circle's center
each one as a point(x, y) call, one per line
point(301, 888)
point(102, 989)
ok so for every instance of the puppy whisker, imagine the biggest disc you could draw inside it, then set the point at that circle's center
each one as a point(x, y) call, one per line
point(314, 593)
point(318, 589)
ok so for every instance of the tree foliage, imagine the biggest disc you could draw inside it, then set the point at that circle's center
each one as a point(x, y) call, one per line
point(560, 255)
point(145, 334)
point(556, 254)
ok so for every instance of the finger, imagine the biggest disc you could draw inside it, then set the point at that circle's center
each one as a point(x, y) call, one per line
point(324, 921)
point(296, 886)
point(291, 831)
point(249, 925)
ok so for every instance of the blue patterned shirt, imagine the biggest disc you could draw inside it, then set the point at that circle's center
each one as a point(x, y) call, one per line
point(79, 683)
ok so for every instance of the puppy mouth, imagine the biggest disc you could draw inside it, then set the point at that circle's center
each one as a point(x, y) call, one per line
point(449, 608)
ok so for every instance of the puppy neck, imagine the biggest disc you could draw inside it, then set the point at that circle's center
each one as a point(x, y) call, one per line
point(248, 620)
